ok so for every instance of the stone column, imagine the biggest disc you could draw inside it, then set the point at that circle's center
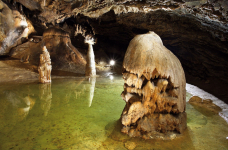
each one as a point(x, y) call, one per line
point(45, 67)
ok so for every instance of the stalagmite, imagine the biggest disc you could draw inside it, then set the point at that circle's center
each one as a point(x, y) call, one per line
point(154, 89)
point(90, 60)
point(45, 67)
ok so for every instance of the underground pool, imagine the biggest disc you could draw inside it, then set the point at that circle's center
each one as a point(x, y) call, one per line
point(83, 114)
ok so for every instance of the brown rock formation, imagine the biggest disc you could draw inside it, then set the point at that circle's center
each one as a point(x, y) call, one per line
point(15, 28)
point(204, 104)
point(154, 88)
point(63, 54)
point(59, 44)
point(45, 67)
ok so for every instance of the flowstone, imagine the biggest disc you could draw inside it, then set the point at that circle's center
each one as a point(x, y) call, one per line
point(45, 67)
point(154, 90)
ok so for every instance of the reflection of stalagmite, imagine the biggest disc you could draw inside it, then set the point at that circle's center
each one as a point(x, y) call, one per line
point(90, 60)
point(78, 93)
point(23, 112)
point(21, 104)
point(45, 67)
point(92, 81)
point(154, 89)
point(45, 97)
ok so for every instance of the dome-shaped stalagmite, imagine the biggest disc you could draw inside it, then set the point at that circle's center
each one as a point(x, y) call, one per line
point(154, 88)
point(63, 54)
point(59, 43)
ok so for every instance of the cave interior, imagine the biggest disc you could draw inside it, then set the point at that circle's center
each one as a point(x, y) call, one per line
point(195, 31)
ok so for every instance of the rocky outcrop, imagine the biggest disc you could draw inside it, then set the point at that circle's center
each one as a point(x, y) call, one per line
point(203, 105)
point(31, 4)
point(154, 89)
point(58, 43)
point(15, 28)
point(63, 54)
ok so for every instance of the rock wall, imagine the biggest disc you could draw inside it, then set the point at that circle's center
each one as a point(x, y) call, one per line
point(64, 55)
point(58, 43)
point(15, 28)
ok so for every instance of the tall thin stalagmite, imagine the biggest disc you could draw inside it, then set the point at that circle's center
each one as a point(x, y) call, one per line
point(90, 58)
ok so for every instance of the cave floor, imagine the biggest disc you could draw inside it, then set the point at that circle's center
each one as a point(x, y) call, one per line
point(83, 114)
point(15, 71)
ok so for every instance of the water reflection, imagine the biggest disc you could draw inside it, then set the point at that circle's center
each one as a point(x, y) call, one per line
point(45, 97)
point(78, 93)
point(111, 77)
point(19, 102)
point(92, 81)
point(57, 116)
point(15, 107)
point(86, 89)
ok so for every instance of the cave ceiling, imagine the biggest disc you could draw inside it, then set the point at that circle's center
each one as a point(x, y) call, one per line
point(196, 31)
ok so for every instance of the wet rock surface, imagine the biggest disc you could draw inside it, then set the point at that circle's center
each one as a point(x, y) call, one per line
point(15, 71)
point(204, 105)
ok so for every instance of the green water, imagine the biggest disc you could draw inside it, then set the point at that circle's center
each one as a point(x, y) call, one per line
point(61, 115)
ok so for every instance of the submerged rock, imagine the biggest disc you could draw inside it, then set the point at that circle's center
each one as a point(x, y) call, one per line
point(205, 104)
point(130, 145)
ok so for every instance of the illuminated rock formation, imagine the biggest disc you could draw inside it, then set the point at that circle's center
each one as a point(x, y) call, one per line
point(62, 52)
point(45, 67)
point(14, 28)
point(90, 59)
point(154, 89)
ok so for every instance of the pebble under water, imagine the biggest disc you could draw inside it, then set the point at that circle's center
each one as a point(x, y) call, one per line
point(82, 114)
